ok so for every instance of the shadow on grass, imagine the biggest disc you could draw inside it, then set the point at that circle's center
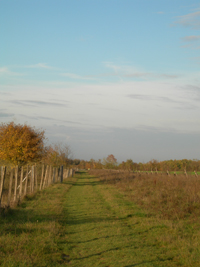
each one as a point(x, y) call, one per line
point(16, 218)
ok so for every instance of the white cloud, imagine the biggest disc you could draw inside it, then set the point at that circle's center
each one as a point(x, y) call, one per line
point(75, 76)
point(125, 71)
point(5, 71)
point(158, 104)
point(40, 66)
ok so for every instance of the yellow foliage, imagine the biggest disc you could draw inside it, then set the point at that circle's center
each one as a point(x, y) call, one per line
point(20, 144)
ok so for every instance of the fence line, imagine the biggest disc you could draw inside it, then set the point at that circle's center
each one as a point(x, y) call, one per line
point(16, 182)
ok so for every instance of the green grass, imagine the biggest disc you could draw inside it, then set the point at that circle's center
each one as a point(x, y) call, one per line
point(85, 222)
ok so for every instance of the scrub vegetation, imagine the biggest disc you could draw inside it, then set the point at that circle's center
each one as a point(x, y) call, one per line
point(99, 220)
point(166, 196)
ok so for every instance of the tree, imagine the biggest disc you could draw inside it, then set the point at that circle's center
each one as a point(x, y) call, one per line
point(76, 161)
point(20, 144)
point(110, 162)
point(58, 154)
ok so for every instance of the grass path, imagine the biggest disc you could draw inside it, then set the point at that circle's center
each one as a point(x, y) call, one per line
point(104, 229)
point(85, 223)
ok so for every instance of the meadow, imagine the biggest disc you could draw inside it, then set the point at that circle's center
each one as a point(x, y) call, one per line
point(106, 218)
point(169, 196)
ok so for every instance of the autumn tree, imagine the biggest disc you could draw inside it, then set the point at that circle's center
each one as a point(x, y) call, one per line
point(98, 164)
point(58, 154)
point(76, 162)
point(20, 144)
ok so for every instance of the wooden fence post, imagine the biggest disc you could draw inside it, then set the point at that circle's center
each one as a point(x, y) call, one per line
point(50, 175)
point(21, 179)
point(185, 172)
point(66, 173)
point(54, 175)
point(61, 174)
point(36, 183)
point(26, 182)
point(15, 188)
point(3, 174)
point(70, 172)
point(45, 178)
point(32, 179)
point(42, 176)
point(58, 174)
point(10, 187)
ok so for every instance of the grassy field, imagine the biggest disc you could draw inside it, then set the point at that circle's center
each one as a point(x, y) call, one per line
point(89, 222)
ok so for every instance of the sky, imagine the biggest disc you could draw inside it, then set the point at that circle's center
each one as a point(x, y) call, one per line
point(117, 77)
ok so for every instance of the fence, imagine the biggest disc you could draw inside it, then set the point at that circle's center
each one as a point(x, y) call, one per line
point(169, 173)
point(17, 182)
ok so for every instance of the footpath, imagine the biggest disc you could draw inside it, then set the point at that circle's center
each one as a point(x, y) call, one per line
point(85, 223)
point(105, 229)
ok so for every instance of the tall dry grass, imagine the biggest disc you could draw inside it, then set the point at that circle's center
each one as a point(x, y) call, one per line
point(170, 197)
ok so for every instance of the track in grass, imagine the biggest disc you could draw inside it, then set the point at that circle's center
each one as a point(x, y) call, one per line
point(84, 222)
point(104, 229)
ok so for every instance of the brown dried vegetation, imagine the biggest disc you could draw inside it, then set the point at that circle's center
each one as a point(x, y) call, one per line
point(167, 196)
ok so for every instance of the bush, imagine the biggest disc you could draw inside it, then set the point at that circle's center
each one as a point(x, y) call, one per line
point(20, 144)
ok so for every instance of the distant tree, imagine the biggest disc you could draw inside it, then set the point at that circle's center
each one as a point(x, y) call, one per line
point(82, 164)
point(20, 144)
point(76, 161)
point(129, 164)
point(58, 154)
point(92, 163)
point(98, 164)
point(122, 166)
point(110, 162)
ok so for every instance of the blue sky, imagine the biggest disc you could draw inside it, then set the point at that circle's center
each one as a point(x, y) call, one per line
point(104, 76)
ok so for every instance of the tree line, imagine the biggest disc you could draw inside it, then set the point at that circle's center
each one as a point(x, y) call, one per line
point(23, 144)
point(168, 165)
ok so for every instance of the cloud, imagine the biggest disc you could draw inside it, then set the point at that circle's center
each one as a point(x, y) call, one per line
point(125, 71)
point(191, 38)
point(39, 66)
point(149, 142)
point(50, 119)
point(45, 103)
point(40, 103)
point(5, 71)
point(193, 91)
point(190, 20)
point(131, 72)
point(4, 115)
point(196, 59)
point(168, 76)
point(75, 76)
point(181, 104)
point(4, 93)
point(151, 98)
